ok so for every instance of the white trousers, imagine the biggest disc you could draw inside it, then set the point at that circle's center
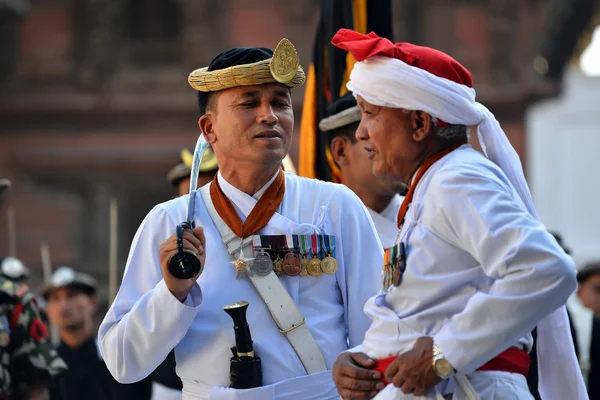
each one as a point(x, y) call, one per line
point(489, 385)
point(161, 392)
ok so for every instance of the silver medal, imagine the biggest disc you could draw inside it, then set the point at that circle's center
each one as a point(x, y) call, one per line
point(262, 265)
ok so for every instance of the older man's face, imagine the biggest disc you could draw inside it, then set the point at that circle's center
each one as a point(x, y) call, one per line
point(589, 293)
point(251, 124)
point(385, 133)
point(359, 171)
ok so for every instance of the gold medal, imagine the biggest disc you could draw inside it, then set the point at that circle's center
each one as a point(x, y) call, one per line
point(329, 265)
point(384, 274)
point(241, 267)
point(397, 277)
point(278, 266)
point(304, 262)
point(314, 266)
point(284, 64)
point(241, 264)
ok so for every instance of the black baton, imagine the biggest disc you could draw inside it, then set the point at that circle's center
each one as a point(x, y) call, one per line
point(184, 264)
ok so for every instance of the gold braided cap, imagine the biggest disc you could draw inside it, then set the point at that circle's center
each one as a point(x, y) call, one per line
point(284, 67)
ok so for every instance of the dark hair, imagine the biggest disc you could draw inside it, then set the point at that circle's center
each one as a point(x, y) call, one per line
point(207, 101)
point(589, 270)
point(347, 131)
point(452, 133)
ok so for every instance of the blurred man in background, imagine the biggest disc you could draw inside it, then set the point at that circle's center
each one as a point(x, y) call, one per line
point(71, 305)
point(28, 362)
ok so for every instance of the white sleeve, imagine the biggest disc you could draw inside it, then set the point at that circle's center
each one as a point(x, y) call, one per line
point(362, 254)
point(479, 212)
point(145, 321)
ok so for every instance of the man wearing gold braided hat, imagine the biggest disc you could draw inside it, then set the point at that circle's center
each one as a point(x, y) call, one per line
point(307, 292)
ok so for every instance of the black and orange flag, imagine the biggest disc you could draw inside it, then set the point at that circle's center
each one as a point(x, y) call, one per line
point(328, 74)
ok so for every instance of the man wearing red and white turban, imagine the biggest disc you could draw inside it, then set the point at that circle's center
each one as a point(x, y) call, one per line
point(474, 269)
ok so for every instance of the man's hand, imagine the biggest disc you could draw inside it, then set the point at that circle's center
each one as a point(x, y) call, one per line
point(354, 377)
point(193, 242)
point(413, 371)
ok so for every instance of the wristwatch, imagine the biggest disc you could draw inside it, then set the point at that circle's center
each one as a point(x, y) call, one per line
point(441, 365)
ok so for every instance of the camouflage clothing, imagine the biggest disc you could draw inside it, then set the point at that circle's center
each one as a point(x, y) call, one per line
point(26, 356)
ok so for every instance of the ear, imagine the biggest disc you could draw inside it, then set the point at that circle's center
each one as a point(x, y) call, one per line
point(339, 152)
point(94, 303)
point(421, 124)
point(580, 292)
point(207, 127)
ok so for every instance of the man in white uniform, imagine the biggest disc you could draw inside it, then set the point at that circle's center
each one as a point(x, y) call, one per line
point(381, 197)
point(247, 117)
point(475, 270)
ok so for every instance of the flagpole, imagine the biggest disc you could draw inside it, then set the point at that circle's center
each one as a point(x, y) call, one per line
point(113, 259)
point(46, 263)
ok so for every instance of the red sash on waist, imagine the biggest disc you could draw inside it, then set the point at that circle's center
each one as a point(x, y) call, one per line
point(513, 360)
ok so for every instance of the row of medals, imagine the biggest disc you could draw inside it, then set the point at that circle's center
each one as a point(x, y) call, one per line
point(290, 265)
point(392, 274)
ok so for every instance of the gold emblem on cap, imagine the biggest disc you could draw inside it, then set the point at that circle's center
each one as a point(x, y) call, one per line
point(284, 64)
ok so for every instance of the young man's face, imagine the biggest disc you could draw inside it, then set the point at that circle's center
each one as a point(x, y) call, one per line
point(70, 307)
point(589, 293)
point(250, 124)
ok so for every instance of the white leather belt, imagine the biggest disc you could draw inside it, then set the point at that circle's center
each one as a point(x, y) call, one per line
point(284, 311)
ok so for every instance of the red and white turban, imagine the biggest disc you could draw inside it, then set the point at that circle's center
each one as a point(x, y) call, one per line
point(411, 77)
point(403, 75)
